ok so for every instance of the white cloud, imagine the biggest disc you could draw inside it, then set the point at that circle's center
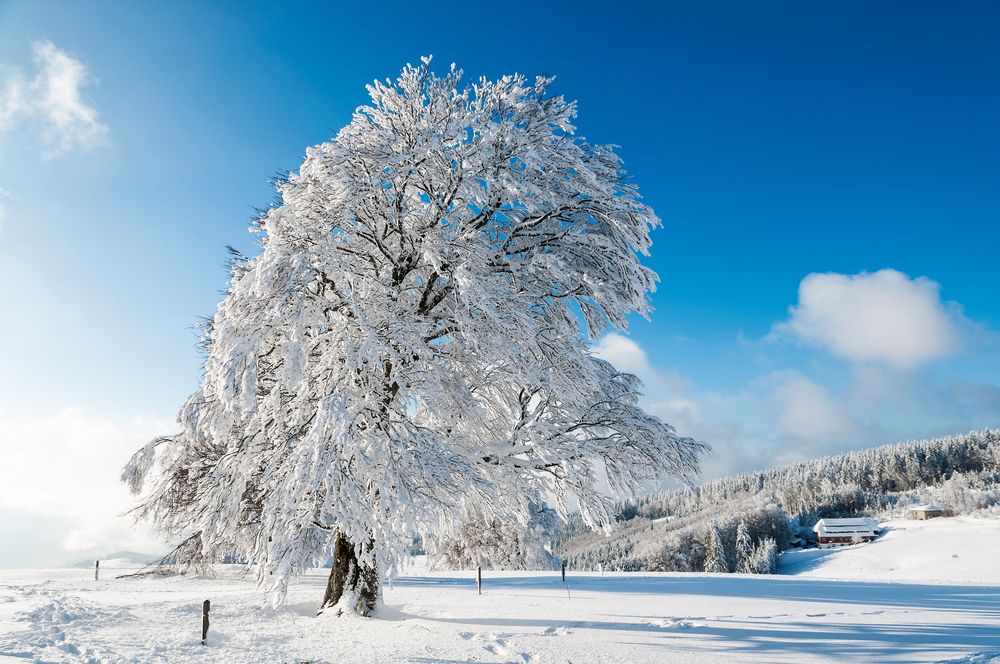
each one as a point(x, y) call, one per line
point(52, 100)
point(65, 466)
point(12, 100)
point(624, 353)
point(883, 316)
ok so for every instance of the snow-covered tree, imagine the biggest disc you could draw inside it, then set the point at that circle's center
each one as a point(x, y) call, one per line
point(413, 337)
point(765, 556)
point(715, 552)
point(744, 549)
point(956, 491)
point(497, 543)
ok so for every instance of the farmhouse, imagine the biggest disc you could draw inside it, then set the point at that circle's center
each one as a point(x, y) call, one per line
point(924, 512)
point(846, 531)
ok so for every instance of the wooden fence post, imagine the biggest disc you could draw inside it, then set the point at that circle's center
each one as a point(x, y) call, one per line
point(97, 568)
point(479, 579)
point(204, 621)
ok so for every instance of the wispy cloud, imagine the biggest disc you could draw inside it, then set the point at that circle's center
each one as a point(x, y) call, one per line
point(666, 395)
point(808, 414)
point(3, 208)
point(51, 101)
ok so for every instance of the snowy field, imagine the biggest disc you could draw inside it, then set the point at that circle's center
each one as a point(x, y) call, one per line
point(65, 616)
point(960, 550)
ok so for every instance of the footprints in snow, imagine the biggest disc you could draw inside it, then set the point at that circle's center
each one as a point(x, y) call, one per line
point(498, 644)
point(673, 623)
point(51, 626)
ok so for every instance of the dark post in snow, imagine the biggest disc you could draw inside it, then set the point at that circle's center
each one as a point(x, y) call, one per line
point(479, 579)
point(204, 621)
point(97, 568)
point(564, 571)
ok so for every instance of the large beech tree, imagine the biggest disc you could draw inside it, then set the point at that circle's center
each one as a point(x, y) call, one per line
point(413, 339)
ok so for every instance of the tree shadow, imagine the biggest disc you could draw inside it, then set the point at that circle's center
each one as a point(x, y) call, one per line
point(853, 641)
point(984, 600)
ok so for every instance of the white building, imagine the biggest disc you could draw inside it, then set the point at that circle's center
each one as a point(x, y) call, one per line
point(846, 531)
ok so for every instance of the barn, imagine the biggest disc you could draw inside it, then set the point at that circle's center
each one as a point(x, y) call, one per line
point(924, 512)
point(846, 531)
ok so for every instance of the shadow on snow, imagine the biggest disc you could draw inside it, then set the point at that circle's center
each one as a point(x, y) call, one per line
point(764, 633)
point(984, 600)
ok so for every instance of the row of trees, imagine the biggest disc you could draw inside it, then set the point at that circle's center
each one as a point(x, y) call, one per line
point(746, 557)
point(685, 543)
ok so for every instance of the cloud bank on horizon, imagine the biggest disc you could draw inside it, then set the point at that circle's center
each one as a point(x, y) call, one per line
point(882, 327)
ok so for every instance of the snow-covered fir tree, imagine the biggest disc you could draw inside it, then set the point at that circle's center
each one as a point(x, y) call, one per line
point(744, 550)
point(956, 492)
point(413, 338)
point(715, 552)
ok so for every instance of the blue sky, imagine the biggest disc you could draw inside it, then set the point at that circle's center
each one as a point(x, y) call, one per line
point(776, 140)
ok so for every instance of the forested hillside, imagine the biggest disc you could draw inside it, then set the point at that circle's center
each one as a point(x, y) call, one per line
point(689, 530)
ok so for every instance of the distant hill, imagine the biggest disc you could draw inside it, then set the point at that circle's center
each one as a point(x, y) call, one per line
point(118, 557)
point(856, 481)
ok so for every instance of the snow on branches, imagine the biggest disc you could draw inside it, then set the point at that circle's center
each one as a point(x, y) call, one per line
point(413, 337)
point(496, 543)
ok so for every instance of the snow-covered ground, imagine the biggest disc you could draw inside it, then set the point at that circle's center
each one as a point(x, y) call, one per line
point(64, 615)
point(960, 550)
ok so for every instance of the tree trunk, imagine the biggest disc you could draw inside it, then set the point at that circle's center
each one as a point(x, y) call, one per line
point(350, 579)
